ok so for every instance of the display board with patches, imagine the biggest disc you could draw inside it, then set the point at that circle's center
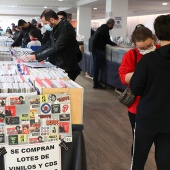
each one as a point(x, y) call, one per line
point(35, 119)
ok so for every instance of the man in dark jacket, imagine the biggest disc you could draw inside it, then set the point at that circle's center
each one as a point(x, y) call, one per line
point(97, 44)
point(23, 37)
point(61, 49)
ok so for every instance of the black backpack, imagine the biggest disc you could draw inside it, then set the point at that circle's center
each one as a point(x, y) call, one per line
point(79, 53)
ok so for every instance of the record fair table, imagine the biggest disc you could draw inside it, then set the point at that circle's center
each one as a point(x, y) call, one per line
point(41, 117)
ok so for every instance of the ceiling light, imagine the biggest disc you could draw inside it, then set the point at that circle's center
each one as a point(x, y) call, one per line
point(60, 0)
point(164, 3)
point(45, 6)
point(95, 8)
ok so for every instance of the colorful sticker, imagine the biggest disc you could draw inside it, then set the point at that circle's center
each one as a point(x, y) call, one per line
point(64, 117)
point(43, 98)
point(17, 100)
point(52, 98)
point(55, 108)
point(45, 108)
point(13, 140)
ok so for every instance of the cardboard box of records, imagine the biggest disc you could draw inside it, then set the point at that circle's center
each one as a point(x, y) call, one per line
point(76, 95)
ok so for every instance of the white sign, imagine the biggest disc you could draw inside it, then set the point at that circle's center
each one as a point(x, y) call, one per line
point(118, 22)
point(46, 156)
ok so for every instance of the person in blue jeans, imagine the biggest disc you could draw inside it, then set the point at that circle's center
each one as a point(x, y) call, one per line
point(98, 43)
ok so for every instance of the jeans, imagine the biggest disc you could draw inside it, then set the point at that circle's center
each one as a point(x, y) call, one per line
point(98, 62)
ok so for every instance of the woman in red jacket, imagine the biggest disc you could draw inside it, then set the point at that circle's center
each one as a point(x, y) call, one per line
point(142, 37)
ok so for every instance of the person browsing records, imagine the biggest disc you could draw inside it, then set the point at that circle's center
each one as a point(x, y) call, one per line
point(23, 37)
point(61, 49)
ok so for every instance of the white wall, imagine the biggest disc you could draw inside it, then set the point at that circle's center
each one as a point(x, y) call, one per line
point(146, 20)
point(6, 21)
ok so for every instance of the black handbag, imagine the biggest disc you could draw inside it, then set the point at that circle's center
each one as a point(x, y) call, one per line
point(127, 97)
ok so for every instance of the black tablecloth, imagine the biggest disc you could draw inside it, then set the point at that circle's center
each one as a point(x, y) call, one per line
point(75, 157)
point(72, 159)
point(86, 64)
point(108, 74)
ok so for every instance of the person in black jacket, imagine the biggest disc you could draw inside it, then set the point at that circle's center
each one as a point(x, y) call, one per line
point(151, 81)
point(98, 43)
point(23, 37)
point(46, 35)
point(61, 49)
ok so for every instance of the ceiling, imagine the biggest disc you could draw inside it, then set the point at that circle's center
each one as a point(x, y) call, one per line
point(34, 8)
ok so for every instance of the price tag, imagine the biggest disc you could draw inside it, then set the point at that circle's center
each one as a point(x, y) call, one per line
point(68, 139)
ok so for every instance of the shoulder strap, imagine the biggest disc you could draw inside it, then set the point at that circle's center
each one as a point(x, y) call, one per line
point(135, 54)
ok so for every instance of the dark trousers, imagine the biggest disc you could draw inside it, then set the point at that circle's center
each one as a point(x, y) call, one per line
point(73, 74)
point(132, 118)
point(143, 140)
point(98, 61)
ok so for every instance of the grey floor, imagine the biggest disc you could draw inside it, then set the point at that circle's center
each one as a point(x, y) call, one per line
point(107, 130)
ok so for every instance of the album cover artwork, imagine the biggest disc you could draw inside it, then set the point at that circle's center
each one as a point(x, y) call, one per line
point(34, 127)
point(10, 110)
point(2, 138)
point(25, 129)
point(12, 120)
point(63, 127)
point(2, 101)
point(13, 140)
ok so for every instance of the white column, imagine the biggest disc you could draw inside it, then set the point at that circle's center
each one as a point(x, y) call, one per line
point(84, 22)
point(118, 10)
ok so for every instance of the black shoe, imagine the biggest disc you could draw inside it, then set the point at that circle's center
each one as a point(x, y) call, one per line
point(99, 86)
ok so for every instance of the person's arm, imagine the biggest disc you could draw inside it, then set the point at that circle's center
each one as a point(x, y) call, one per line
point(128, 77)
point(18, 40)
point(139, 78)
point(127, 67)
point(108, 40)
point(60, 43)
